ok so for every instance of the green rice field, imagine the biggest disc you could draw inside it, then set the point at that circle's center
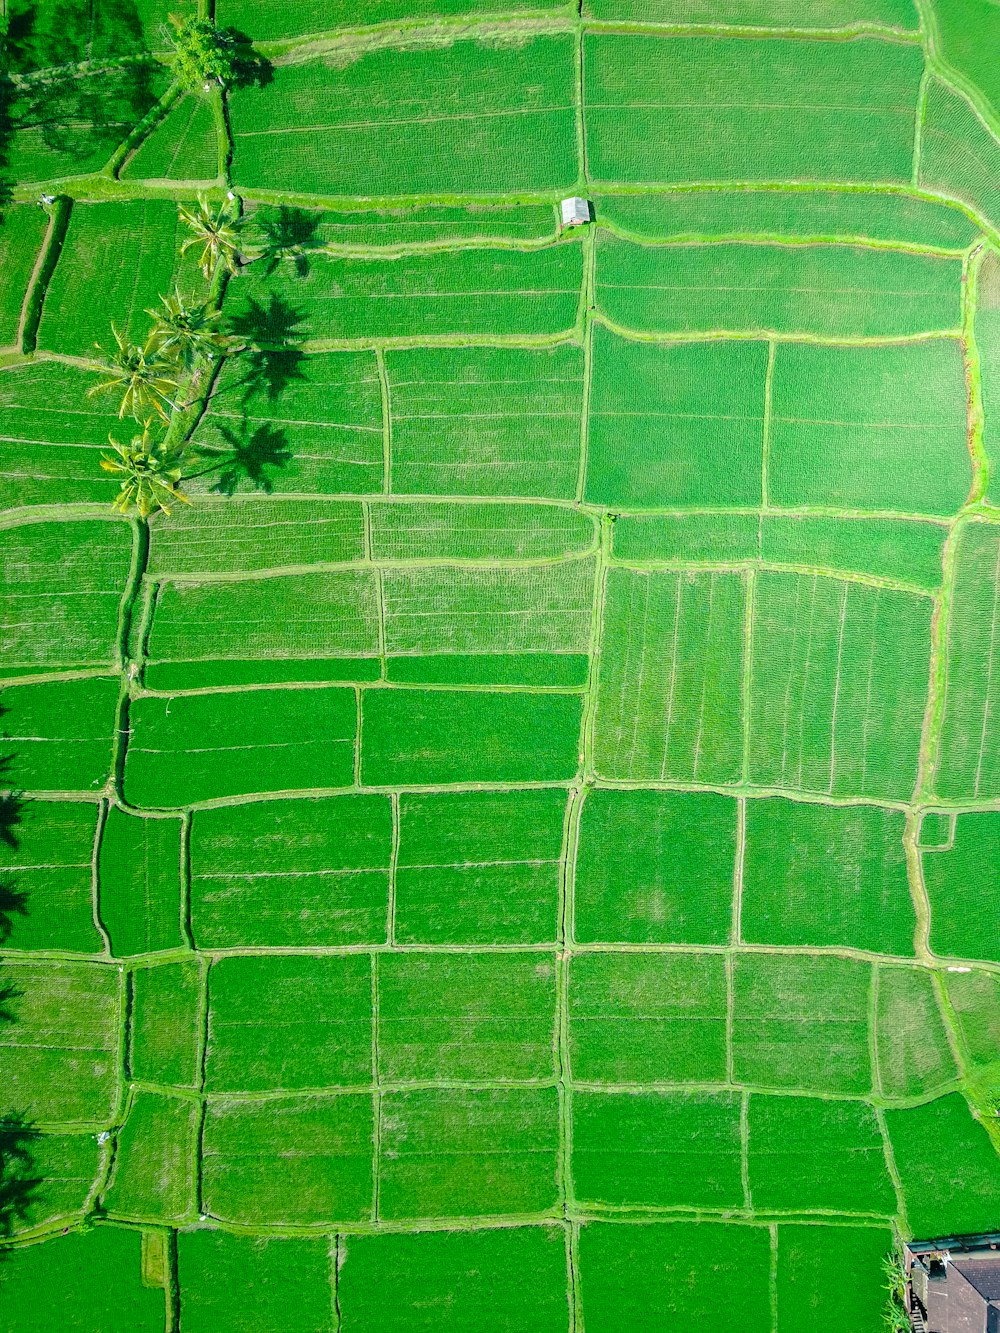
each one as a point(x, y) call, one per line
point(519, 852)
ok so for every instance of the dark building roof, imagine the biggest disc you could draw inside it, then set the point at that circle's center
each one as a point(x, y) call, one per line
point(983, 1274)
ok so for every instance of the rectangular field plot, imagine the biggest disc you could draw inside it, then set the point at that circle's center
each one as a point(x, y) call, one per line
point(479, 867)
point(948, 1167)
point(808, 215)
point(323, 615)
point(468, 1152)
point(987, 336)
point(959, 156)
point(761, 13)
point(154, 1173)
point(58, 1056)
point(541, 609)
point(801, 1023)
point(469, 1017)
point(807, 1255)
point(62, 1171)
point(289, 1022)
point(283, 421)
point(92, 1280)
point(668, 695)
point(194, 747)
point(870, 427)
point(271, 22)
point(139, 883)
point(59, 734)
point(657, 1149)
point(432, 737)
point(453, 1282)
point(184, 146)
point(286, 873)
point(888, 548)
point(453, 292)
point(527, 670)
point(282, 232)
point(810, 1155)
point(252, 533)
point(239, 1284)
point(21, 238)
point(975, 1002)
point(662, 108)
point(52, 436)
point(686, 539)
point(826, 875)
point(655, 867)
point(105, 28)
point(968, 760)
point(838, 686)
point(963, 886)
point(116, 260)
point(674, 1275)
point(911, 1044)
point(288, 1162)
point(486, 420)
point(830, 290)
point(647, 1018)
point(45, 870)
point(165, 1039)
point(675, 425)
point(460, 118)
point(443, 530)
point(62, 587)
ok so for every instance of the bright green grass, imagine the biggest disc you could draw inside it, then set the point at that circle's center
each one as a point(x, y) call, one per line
point(968, 762)
point(686, 539)
point(912, 1048)
point(269, 227)
point(655, 867)
point(287, 1162)
point(59, 1054)
point(117, 259)
point(429, 530)
point(855, 894)
point(945, 1193)
point(762, 13)
point(644, 1018)
point(975, 1001)
point(675, 425)
point(59, 734)
point(453, 1282)
point(241, 1284)
point(455, 1152)
point(194, 747)
point(287, 422)
point(479, 867)
point(809, 215)
point(453, 292)
point(48, 864)
point(838, 685)
point(139, 883)
point(663, 110)
point(62, 586)
point(895, 549)
point(271, 22)
point(960, 157)
point(21, 233)
point(668, 699)
point(466, 1018)
point(295, 872)
point(528, 669)
point(429, 737)
point(963, 886)
point(53, 436)
point(462, 118)
point(184, 146)
point(486, 420)
point(811, 1155)
point(289, 1022)
point(836, 291)
point(165, 1034)
point(657, 1149)
point(674, 1275)
point(154, 1170)
point(870, 427)
point(91, 1281)
point(801, 1023)
point(806, 1257)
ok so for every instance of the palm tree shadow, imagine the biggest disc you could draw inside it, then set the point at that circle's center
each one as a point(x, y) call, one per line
point(289, 233)
point(248, 456)
point(19, 1179)
point(272, 346)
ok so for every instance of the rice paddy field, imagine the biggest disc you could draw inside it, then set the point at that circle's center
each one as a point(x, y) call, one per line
point(520, 852)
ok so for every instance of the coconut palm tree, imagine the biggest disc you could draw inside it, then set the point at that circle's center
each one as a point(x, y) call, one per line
point(150, 470)
point(186, 333)
point(217, 232)
point(146, 380)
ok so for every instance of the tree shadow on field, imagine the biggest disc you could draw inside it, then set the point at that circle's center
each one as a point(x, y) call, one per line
point(250, 69)
point(272, 346)
point(289, 233)
point(19, 1179)
point(247, 455)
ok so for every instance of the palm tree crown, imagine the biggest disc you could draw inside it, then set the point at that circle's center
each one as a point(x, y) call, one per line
point(217, 232)
point(150, 470)
point(146, 380)
point(186, 332)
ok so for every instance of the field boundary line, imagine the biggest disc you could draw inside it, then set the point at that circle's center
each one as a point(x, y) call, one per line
point(187, 930)
point(919, 118)
point(201, 1057)
point(95, 876)
point(745, 1150)
point(918, 889)
point(891, 1167)
point(873, 1025)
point(376, 1090)
point(393, 869)
point(729, 964)
point(772, 1279)
point(333, 1259)
point(26, 338)
point(385, 394)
